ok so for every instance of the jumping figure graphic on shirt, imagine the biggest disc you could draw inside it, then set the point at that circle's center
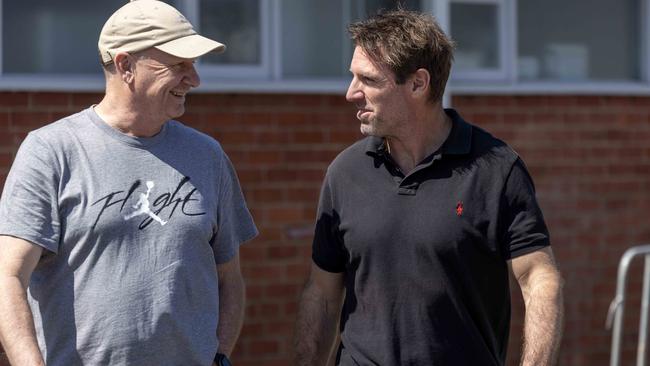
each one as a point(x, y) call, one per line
point(142, 206)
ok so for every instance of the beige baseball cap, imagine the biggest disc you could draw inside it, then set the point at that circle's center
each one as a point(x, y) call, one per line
point(142, 24)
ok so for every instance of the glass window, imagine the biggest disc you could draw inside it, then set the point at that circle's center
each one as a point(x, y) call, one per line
point(579, 40)
point(315, 42)
point(367, 8)
point(237, 24)
point(46, 37)
point(313, 39)
point(497, 41)
point(474, 28)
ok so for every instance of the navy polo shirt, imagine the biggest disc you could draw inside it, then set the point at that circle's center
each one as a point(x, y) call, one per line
point(424, 255)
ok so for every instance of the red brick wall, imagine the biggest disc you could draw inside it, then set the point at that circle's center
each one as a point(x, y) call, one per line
point(589, 156)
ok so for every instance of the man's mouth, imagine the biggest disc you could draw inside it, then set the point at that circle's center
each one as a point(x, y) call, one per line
point(362, 111)
point(178, 94)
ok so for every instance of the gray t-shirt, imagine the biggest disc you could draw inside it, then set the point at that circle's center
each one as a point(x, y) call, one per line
point(133, 229)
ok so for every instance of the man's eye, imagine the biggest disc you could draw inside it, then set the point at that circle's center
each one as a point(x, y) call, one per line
point(178, 66)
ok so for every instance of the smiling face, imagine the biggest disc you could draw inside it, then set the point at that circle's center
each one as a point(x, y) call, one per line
point(161, 83)
point(381, 103)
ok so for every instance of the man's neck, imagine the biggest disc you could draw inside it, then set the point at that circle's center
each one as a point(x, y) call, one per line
point(125, 118)
point(423, 140)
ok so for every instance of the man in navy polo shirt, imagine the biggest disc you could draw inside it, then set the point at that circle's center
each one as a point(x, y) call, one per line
point(421, 223)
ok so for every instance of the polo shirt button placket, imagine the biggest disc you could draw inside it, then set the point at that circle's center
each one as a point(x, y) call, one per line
point(408, 189)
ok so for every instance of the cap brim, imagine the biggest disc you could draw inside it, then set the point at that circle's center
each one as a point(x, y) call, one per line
point(191, 46)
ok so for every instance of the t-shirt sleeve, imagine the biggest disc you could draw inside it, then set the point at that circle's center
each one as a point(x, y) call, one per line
point(234, 222)
point(524, 229)
point(328, 250)
point(29, 203)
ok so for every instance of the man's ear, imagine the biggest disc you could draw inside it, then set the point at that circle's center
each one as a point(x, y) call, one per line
point(420, 83)
point(124, 65)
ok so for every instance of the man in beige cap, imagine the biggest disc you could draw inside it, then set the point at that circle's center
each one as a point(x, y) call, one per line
point(119, 226)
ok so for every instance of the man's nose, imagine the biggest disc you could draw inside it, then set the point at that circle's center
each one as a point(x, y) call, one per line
point(354, 93)
point(192, 77)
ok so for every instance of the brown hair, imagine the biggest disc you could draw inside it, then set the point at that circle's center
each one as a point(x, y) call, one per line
point(406, 41)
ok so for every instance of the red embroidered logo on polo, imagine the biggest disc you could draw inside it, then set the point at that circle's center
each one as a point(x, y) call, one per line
point(459, 208)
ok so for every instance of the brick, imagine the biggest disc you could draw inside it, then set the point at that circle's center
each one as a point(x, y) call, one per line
point(269, 310)
point(267, 195)
point(345, 118)
point(14, 100)
point(310, 101)
point(251, 252)
point(228, 119)
point(298, 270)
point(344, 138)
point(260, 347)
point(49, 99)
point(589, 101)
point(80, 101)
point(269, 234)
point(28, 121)
point(288, 175)
point(486, 118)
point(249, 328)
point(307, 195)
point(529, 101)
point(301, 231)
point(336, 101)
point(321, 156)
point(256, 118)
point(285, 214)
point(278, 362)
point(291, 307)
point(249, 175)
point(283, 291)
point(282, 252)
point(271, 138)
point(227, 137)
point(589, 156)
point(253, 291)
point(560, 101)
point(265, 158)
point(306, 137)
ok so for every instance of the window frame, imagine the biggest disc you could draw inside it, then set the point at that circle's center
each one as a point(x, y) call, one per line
point(191, 9)
point(504, 37)
point(268, 78)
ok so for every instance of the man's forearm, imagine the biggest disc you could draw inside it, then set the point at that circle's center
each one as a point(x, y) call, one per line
point(543, 320)
point(231, 313)
point(17, 331)
point(315, 327)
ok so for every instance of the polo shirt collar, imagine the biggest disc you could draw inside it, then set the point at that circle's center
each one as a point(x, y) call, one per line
point(376, 145)
point(458, 142)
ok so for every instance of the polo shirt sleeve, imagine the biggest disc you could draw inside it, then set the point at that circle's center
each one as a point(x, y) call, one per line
point(523, 226)
point(328, 251)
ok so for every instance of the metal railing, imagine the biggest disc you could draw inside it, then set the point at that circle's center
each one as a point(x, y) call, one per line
point(617, 307)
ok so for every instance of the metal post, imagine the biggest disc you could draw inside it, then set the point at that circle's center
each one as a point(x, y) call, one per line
point(643, 322)
point(617, 307)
